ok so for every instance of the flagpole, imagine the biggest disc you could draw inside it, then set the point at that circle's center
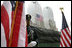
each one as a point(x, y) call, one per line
point(10, 40)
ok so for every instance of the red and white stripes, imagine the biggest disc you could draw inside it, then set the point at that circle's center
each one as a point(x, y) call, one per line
point(19, 30)
point(65, 38)
point(3, 38)
point(22, 31)
point(6, 9)
point(19, 36)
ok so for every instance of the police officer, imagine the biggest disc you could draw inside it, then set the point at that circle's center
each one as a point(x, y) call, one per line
point(32, 36)
point(41, 36)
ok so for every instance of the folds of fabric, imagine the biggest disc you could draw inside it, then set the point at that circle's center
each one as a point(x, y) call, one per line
point(6, 19)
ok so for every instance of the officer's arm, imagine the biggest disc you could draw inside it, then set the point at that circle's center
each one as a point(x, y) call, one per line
point(34, 41)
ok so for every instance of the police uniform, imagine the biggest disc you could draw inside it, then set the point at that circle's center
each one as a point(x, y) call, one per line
point(43, 37)
point(47, 37)
point(32, 36)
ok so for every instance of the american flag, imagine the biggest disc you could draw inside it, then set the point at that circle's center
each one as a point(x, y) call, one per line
point(19, 35)
point(65, 40)
point(6, 10)
point(39, 17)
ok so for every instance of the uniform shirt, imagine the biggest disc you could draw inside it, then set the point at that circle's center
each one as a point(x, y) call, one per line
point(32, 36)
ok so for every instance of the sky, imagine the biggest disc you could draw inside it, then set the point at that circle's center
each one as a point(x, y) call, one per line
point(55, 5)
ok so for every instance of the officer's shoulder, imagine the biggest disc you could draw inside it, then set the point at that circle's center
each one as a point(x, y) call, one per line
point(32, 26)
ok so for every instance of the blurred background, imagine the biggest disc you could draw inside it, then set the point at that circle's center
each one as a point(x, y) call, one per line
point(55, 5)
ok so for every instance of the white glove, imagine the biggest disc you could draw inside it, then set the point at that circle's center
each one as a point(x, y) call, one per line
point(32, 44)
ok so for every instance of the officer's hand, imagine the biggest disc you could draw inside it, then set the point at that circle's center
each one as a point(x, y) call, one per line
point(32, 44)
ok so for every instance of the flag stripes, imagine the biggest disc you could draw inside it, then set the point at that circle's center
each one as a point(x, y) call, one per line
point(65, 40)
point(19, 30)
point(22, 31)
point(8, 8)
point(10, 39)
point(61, 43)
point(5, 22)
point(17, 37)
point(3, 37)
point(66, 37)
point(68, 33)
point(6, 19)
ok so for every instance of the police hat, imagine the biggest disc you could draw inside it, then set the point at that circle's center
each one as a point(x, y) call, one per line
point(28, 17)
